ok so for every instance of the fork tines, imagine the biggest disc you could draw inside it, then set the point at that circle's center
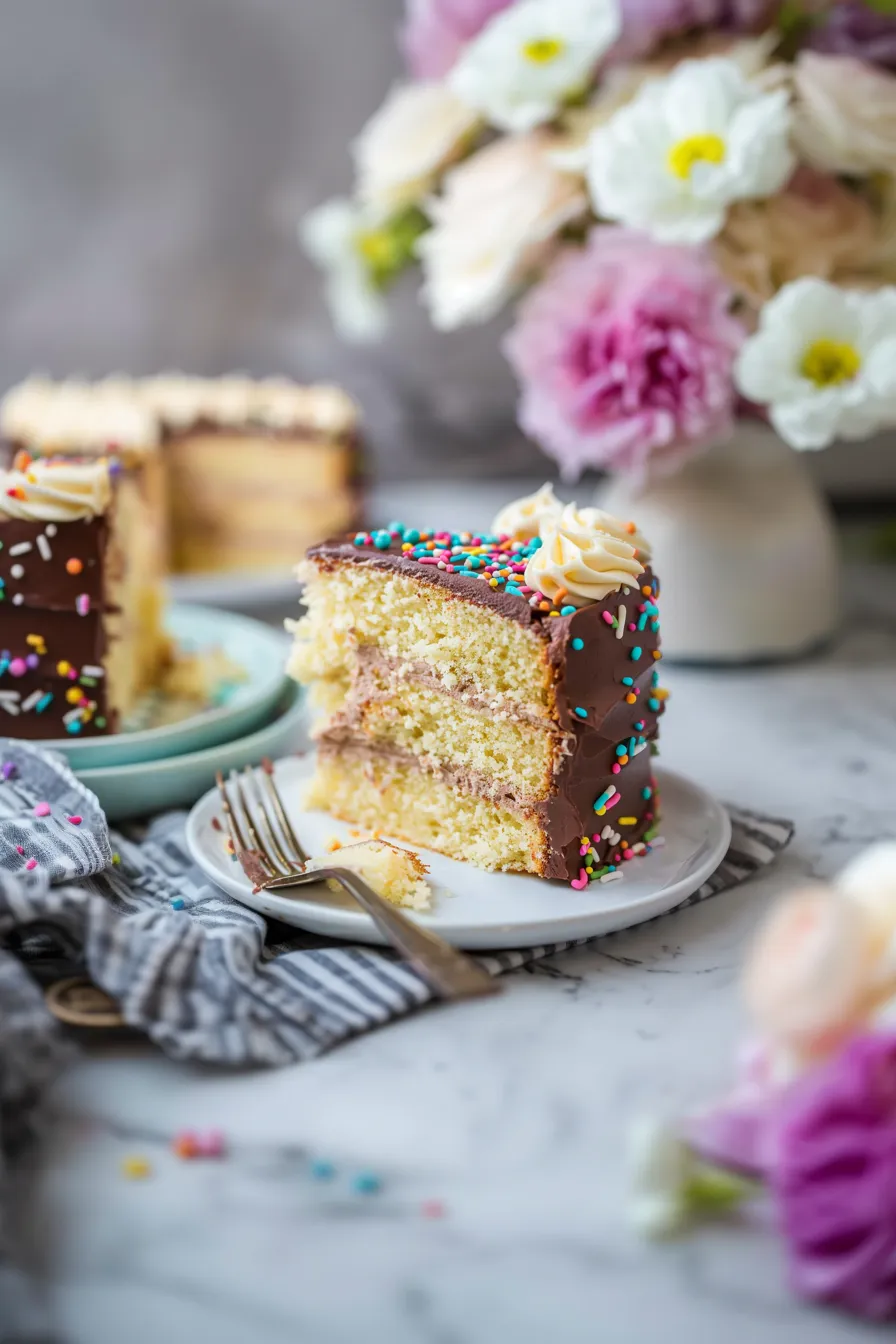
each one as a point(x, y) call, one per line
point(257, 822)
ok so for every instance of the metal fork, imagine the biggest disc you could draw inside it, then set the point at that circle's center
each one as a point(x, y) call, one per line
point(273, 859)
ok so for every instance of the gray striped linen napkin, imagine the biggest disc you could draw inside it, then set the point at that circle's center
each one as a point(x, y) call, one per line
point(213, 981)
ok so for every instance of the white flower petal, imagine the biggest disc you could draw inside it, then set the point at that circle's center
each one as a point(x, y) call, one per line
point(672, 160)
point(325, 231)
point(495, 76)
point(879, 376)
point(758, 145)
point(659, 1167)
point(703, 96)
point(877, 317)
point(328, 235)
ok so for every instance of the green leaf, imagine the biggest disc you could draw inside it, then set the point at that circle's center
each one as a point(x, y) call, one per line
point(389, 248)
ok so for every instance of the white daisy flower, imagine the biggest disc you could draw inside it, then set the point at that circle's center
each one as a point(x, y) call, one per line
point(824, 362)
point(671, 161)
point(531, 58)
point(418, 130)
point(348, 244)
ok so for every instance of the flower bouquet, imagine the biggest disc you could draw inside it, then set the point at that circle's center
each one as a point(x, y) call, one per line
point(691, 204)
point(811, 1125)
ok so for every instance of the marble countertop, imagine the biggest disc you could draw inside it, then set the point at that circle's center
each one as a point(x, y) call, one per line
point(511, 1112)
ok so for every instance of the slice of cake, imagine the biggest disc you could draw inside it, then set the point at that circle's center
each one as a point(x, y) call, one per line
point(491, 697)
point(396, 874)
point(80, 630)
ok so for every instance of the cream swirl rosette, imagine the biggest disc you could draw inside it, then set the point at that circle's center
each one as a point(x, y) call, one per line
point(575, 564)
point(51, 491)
point(595, 520)
point(522, 518)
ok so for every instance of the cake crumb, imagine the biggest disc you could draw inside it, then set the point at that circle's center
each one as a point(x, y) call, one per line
point(396, 874)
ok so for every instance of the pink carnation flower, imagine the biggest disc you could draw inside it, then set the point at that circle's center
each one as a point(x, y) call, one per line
point(835, 1179)
point(624, 352)
point(435, 31)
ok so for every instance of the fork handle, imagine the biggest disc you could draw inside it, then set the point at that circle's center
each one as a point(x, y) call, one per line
point(449, 973)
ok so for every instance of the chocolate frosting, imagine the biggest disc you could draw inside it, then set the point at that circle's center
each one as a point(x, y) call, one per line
point(590, 679)
point(42, 600)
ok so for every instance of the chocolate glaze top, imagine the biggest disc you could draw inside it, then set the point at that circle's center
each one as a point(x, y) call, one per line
point(603, 658)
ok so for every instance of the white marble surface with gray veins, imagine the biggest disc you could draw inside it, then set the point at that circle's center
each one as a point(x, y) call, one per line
point(512, 1112)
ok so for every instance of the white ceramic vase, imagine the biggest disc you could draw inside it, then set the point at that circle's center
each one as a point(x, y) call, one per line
point(745, 549)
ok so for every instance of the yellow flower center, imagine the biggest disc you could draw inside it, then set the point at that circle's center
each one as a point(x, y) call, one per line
point(693, 149)
point(543, 50)
point(827, 363)
point(375, 246)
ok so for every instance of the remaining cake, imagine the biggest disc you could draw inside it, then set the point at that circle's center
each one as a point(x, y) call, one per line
point(254, 468)
point(396, 874)
point(250, 469)
point(80, 607)
point(491, 697)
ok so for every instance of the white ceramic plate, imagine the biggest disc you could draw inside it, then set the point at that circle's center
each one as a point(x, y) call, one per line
point(177, 781)
point(476, 909)
point(259, 650)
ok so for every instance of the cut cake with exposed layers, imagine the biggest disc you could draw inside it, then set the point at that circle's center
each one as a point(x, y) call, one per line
point(464, 710)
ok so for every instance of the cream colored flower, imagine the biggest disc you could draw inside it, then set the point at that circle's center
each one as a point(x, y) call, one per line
point(816, 226)
point(578, 565)
point(495, 222)
point(418, 130)
point(689, 145)
point(522, 518)
point(824, 363)
point(870, 882)
point(808, 980)
point(845, 114)
point(531, 57)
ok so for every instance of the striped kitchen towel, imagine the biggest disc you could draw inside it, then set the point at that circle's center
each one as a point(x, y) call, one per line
point(211, 981)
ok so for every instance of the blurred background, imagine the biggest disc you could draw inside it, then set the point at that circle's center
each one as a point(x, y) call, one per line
point(156, 156)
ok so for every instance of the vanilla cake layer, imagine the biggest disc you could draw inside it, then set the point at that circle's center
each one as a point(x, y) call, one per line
point(472, 720)
point(247, 500)
point(393, 797)
point(390, 706)
point(464, 645)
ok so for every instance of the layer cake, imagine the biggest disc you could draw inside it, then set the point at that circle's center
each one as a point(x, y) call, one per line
point(81, 636)
point(492, 697)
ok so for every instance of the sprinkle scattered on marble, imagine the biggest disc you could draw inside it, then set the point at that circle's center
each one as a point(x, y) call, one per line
point(367, 1183)
point(136, 1168)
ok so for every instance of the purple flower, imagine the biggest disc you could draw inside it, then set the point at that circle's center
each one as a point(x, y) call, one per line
point(435, 31)
point(647, 23)
point(855, 29)
point(624, 352)
point(835, 1179)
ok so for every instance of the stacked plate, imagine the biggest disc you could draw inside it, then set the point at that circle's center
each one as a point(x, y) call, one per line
point(144, 770)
